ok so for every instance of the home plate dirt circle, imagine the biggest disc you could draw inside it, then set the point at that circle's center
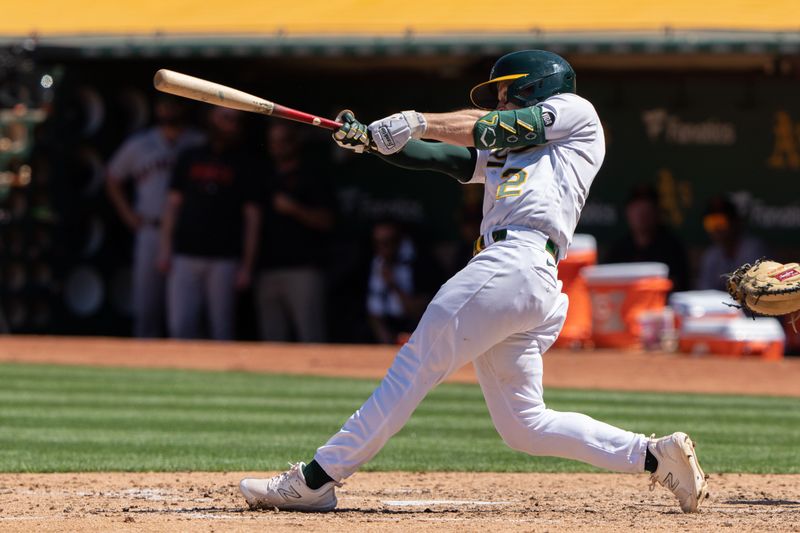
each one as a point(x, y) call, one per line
point(387, 501)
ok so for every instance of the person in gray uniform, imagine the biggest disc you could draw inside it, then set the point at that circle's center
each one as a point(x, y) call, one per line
point(147, 158)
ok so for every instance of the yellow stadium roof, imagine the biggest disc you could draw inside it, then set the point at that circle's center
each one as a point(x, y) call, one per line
point(385, 17)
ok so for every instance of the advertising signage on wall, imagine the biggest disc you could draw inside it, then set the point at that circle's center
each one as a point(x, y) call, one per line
point(694, 140)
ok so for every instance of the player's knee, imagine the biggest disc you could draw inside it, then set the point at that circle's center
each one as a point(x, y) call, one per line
point(524, 433)
point(520, 441)
point(530, 442)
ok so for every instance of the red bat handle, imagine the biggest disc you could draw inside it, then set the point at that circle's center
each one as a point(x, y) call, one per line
point(306, 118)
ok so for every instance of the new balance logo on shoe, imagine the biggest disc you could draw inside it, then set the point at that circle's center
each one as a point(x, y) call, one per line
point(671, 483)
point(289, 493)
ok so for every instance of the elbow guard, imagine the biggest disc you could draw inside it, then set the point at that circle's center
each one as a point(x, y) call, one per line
point(512, 128)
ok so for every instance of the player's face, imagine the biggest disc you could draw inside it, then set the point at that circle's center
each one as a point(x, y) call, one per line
point(642, 216)
point(719, 227)
point(502, 93)
point(227, 122)
point(169, 113)
point(386, 240)
point(280, 143)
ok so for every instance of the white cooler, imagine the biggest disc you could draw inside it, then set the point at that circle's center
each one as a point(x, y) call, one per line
point(737, 337)
point(702, 305)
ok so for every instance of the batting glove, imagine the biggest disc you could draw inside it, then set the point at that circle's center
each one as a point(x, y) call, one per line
point(353, 135)
point(392, 133)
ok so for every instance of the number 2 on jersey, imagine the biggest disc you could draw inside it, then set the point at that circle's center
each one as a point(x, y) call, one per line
point(512, 184)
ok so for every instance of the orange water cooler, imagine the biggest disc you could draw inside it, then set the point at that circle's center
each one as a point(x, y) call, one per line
point(619, 294)
point(577, 330)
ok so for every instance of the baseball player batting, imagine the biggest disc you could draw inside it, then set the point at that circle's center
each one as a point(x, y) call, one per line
point(536, 146)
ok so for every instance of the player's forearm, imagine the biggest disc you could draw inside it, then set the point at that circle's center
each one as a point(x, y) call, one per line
point(318, 218)
point(455, 161)
point(121, 204)
point(168, 218)
point(453, 128)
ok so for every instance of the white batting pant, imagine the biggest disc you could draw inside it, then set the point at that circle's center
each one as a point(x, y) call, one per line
point(502, 311)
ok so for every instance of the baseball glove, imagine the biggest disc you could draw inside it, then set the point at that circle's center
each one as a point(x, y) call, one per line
point(766, 288)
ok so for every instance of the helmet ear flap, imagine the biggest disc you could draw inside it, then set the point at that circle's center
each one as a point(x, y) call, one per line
point(525, 93)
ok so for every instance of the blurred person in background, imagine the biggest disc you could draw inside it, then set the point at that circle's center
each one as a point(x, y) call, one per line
point(210, 230)
point(299, 212)
point(730, 247)
point(148, 158)
point(401, 283)
point(648, 239)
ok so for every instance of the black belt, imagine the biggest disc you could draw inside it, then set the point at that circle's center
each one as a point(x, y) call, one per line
point(501, 235)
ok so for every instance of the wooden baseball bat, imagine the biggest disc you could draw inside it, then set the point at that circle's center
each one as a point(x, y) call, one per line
point(172, 82)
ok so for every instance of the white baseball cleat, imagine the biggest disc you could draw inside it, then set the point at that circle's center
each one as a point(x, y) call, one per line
point(289, 492)
point(679, 470)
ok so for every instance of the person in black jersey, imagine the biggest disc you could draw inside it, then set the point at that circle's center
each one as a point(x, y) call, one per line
point(210, 231)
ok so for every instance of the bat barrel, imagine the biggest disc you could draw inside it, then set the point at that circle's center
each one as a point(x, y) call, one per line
point(171, 82)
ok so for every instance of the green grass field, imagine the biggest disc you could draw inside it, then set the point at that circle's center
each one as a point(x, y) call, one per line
point(55, 419)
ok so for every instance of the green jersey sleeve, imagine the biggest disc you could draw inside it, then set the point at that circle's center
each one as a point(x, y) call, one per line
point(455, 161)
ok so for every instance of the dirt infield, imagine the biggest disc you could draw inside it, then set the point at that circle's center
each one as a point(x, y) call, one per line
point(402, 501)
point(395, 502)
point(609, 370)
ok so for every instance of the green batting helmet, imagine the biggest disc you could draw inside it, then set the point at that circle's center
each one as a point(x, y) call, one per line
point(536, 75)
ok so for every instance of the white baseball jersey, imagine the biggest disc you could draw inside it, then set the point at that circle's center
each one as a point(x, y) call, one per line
point(148, 158)
point(545, 187)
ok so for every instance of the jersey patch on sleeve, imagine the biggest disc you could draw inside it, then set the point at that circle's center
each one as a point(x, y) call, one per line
point(548, 118)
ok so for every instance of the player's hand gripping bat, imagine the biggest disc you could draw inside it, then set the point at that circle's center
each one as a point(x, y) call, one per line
point(168, 81)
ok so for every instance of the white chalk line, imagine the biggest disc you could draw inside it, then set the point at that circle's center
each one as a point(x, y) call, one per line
point(421, 503)
point(21, 518)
